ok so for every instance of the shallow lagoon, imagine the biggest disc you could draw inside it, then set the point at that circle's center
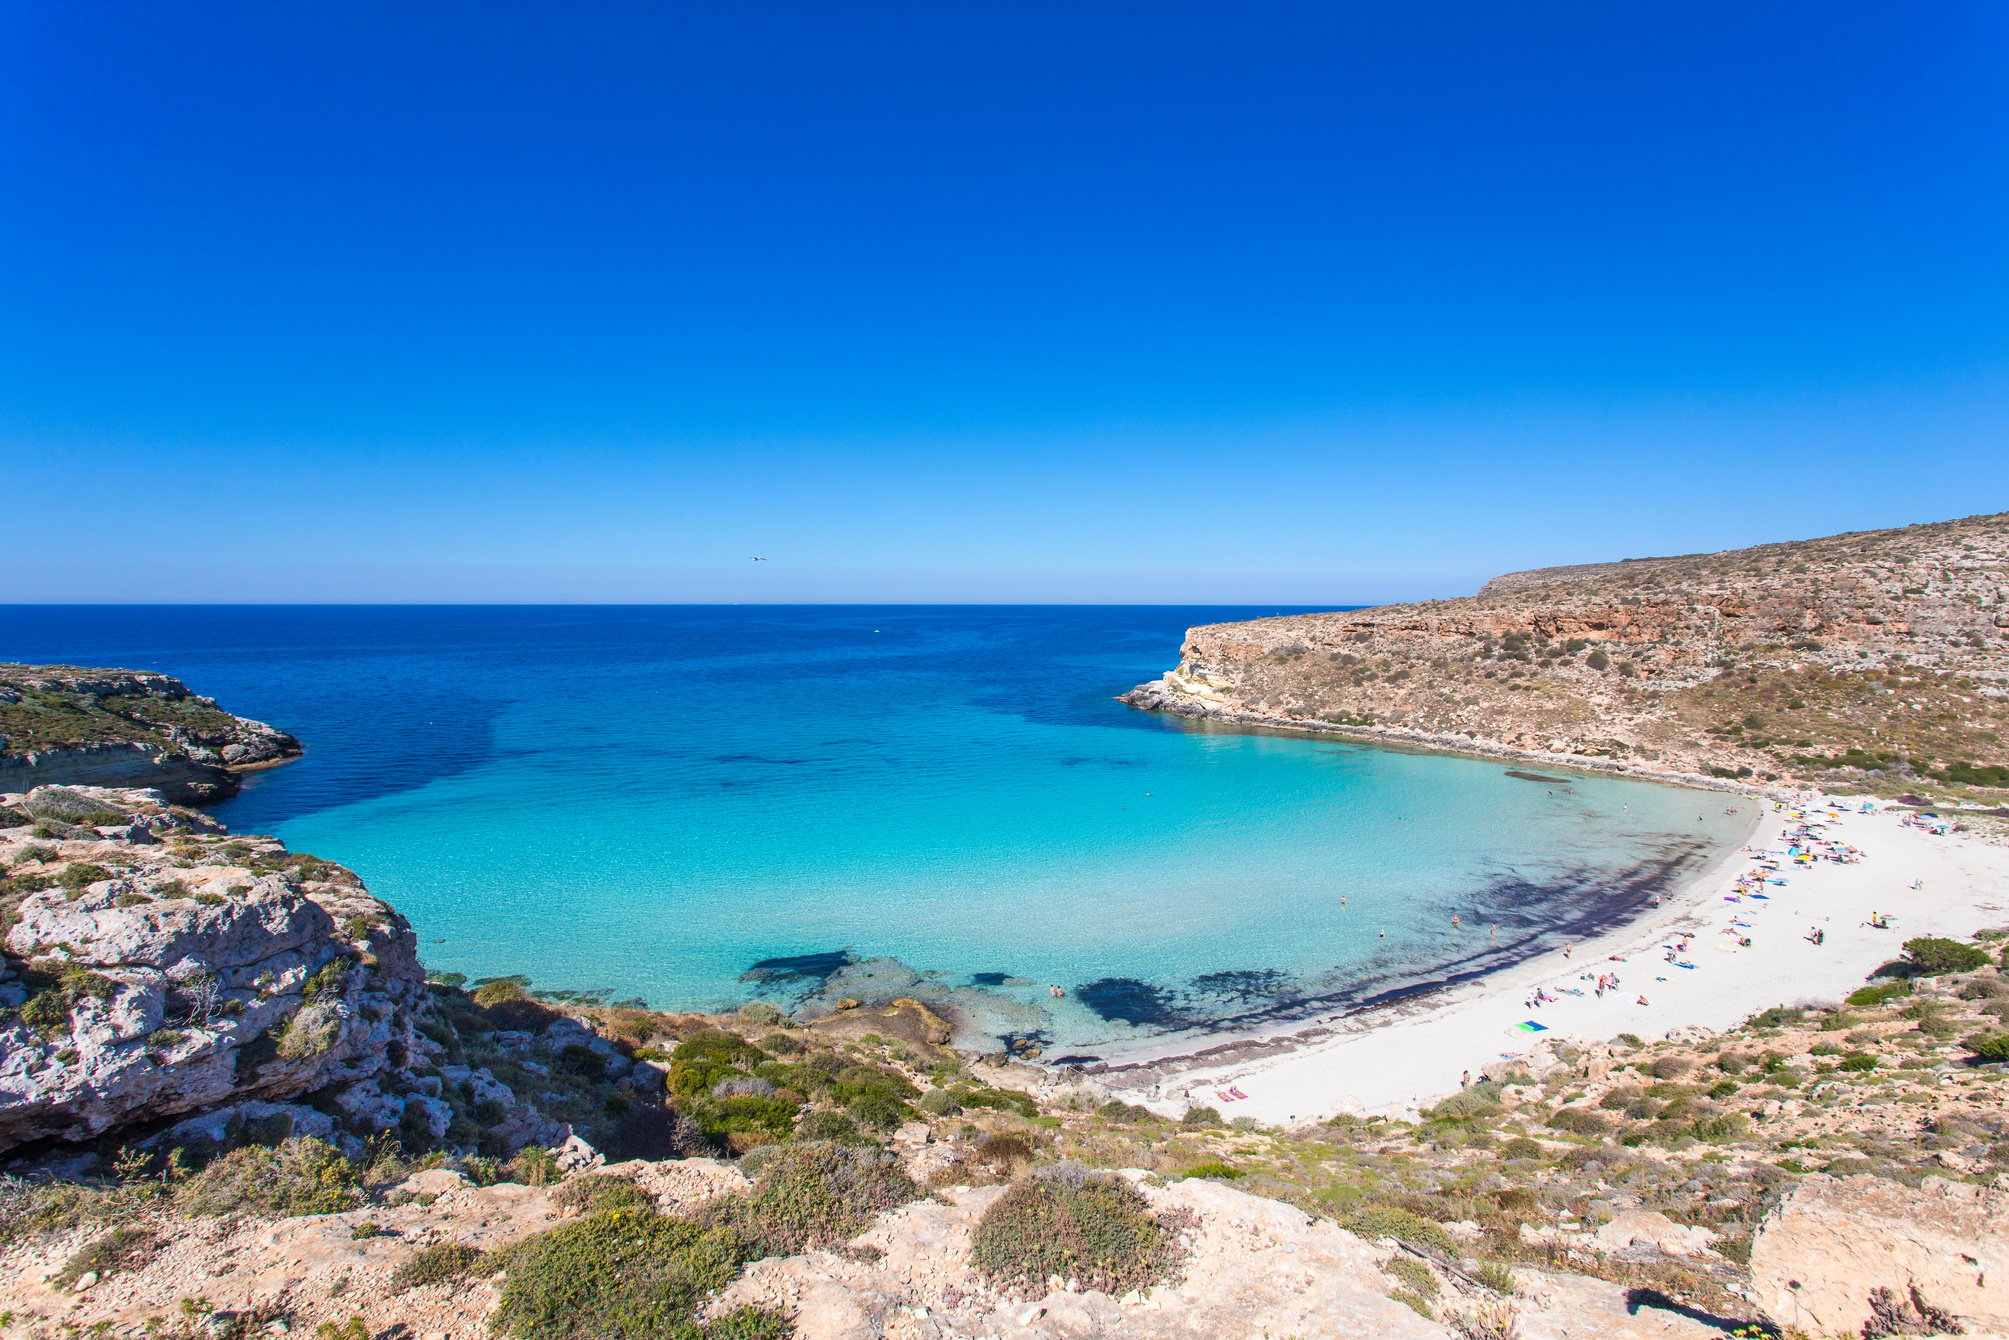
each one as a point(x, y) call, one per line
point(652, 802)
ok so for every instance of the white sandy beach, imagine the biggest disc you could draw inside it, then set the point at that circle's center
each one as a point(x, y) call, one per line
point(1395, 1060)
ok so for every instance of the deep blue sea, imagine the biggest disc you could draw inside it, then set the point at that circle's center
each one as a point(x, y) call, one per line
point(693, 805)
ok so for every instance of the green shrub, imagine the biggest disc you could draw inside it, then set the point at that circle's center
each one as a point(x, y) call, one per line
point(939, 1103)
point(1934, 956)
point(1778, 1016)
point(436, 1265)
point(761, 1014)
point(813, 1194)
point(533, 1166)
point(1721, 1130)
point(1874, 997)
point(302, 1176)
point(1201, 1116)
point(836, 1127)
point(311, 1031)
point(1392, 1221)
point(1988, 1046)
point(1416, 1276)
point(1213, 1168)
point(499, 989)
point(1094, 1229)
point(1579, 1121)
point(56, 989)
point(329, 980)
point(120, 1249)
point(81, 875)
point(878, 1110)
point(1481, 1100)
point(595, 1192)
point(1003, 1152)
point(1858, 1062)
point(751, 1114)
point(1521, 1147)
point(1497, 1277)
point(627, 1274)
point(1123, 1112)
point(997, 1100)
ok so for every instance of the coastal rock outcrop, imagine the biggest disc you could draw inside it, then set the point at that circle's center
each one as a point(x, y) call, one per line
point(154, 968)
point(1869, 655)
point(69, 725)
point(1863, 1255)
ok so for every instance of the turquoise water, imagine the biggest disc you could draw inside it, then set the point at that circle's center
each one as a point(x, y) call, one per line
point(695, 805)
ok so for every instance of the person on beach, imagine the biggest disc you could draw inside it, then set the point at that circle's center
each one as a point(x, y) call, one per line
point(1465, 1080)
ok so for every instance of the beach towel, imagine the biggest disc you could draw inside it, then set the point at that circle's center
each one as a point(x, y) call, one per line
point(1529, 1027)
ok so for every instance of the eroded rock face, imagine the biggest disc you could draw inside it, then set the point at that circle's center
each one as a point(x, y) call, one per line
point(1838, 1250)
point(156, 969)
point(155, 979)
point(1776, 661)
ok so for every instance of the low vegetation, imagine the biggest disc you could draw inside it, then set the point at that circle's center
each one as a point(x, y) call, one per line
point(627, 1273)
point(1066, 1223)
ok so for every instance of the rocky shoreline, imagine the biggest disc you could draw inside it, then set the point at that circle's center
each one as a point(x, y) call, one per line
point(1174, 697)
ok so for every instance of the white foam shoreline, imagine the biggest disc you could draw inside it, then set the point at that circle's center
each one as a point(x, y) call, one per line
point(1409, 1053)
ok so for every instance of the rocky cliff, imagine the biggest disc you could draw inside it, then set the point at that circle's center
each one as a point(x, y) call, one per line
point(153, 967)
point(66, 725)
point(1874, 657)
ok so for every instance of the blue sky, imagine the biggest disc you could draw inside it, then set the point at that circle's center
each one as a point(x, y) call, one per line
point(1319, 303)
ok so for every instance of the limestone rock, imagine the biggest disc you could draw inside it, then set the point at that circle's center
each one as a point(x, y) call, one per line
point(1652, 1229)
point(216, 982)
point(1821, 1257)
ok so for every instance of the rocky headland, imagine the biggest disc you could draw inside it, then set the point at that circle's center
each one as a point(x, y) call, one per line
point(125, 728)
point(1877, 660)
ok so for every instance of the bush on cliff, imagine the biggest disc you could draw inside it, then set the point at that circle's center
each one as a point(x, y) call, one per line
point(56, 988)
point(436, 1264)
point(628, 1274)
point(814, 1194)
point(301, 1176)
point(1077, 1225)
point(1988, 1046)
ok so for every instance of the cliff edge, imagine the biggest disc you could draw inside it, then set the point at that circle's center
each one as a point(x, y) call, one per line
point(72, 726)
point(1877, 658)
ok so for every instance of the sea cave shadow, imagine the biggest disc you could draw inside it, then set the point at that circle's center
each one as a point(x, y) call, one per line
point(1635, 1299)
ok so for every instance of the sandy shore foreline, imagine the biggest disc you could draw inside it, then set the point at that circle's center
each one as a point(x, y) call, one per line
point(1746, 954)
